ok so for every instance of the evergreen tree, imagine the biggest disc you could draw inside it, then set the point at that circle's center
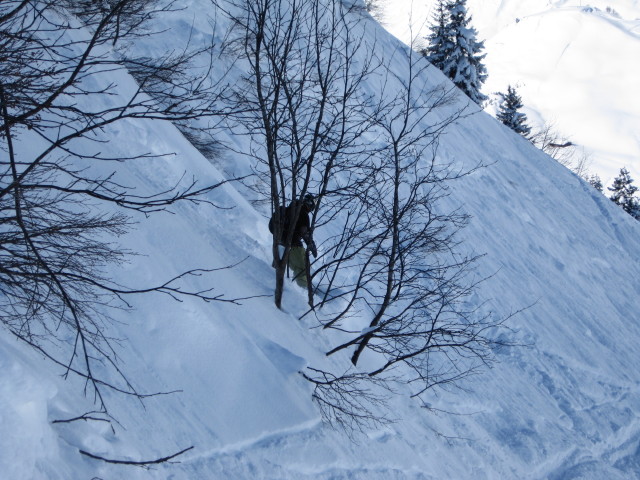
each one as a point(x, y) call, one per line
point(464, 64)
point(440, 45)
point(623, 193)
point(595, 181)
point(510, 115)
point(375, 9)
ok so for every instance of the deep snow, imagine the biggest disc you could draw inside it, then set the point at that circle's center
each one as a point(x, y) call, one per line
point(566, 405)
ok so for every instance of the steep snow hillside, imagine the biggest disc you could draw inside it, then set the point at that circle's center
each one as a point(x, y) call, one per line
point(563, 404)
point(574, 63)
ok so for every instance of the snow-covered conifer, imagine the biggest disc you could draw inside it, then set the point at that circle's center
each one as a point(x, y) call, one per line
point(623, 193)
point(595, 181)
point(440, 46)
point(510, 115)
point(464, 64)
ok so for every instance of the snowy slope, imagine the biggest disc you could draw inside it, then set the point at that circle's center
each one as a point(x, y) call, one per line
point(574, 63)
point(564, 405)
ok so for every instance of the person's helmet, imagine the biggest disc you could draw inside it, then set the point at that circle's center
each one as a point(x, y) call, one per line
point(309, 201)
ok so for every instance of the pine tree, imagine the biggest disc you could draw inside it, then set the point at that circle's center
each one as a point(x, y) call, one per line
point(623, 193)
point(510, 115)
point(595, 181)
point(440, 45)
point(464, 64)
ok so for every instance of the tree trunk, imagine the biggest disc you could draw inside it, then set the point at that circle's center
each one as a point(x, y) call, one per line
point(307, 268)
point(280, 265)
point(280, 271)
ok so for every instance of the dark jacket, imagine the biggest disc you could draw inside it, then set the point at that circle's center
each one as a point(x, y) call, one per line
point(302, 229)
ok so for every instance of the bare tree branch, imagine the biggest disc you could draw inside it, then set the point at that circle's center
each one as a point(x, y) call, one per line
point(142, 463)
point(61, 214)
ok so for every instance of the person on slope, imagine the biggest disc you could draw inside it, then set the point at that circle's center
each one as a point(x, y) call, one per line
point(301, 232)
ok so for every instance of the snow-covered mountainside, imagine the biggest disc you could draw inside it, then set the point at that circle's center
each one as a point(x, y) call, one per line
point(563, 404)
point(574, 63)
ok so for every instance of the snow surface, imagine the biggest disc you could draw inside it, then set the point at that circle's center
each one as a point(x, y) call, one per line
point(575, 63)
point(565, 405)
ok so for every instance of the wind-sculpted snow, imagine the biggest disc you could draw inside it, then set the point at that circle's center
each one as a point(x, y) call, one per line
point(562, 404)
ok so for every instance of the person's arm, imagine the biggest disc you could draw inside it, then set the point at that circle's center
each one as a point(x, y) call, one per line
point(307, 236)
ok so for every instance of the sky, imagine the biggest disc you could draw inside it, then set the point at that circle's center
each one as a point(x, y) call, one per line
point(564, 403)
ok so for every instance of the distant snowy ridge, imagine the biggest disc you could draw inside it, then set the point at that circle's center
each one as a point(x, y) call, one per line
point(574, 64)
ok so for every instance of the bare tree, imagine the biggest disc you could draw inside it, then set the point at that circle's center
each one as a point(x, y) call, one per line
point(350, 401)
point(563, 150)
point(60, 212)
point(397, 259)
point(301, 103)
point(547, 139)
point(315, 126)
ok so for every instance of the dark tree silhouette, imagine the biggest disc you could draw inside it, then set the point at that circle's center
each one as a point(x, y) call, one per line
point(314, 125)
point(61, 208)
point(395, 263)
point(301, 103)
